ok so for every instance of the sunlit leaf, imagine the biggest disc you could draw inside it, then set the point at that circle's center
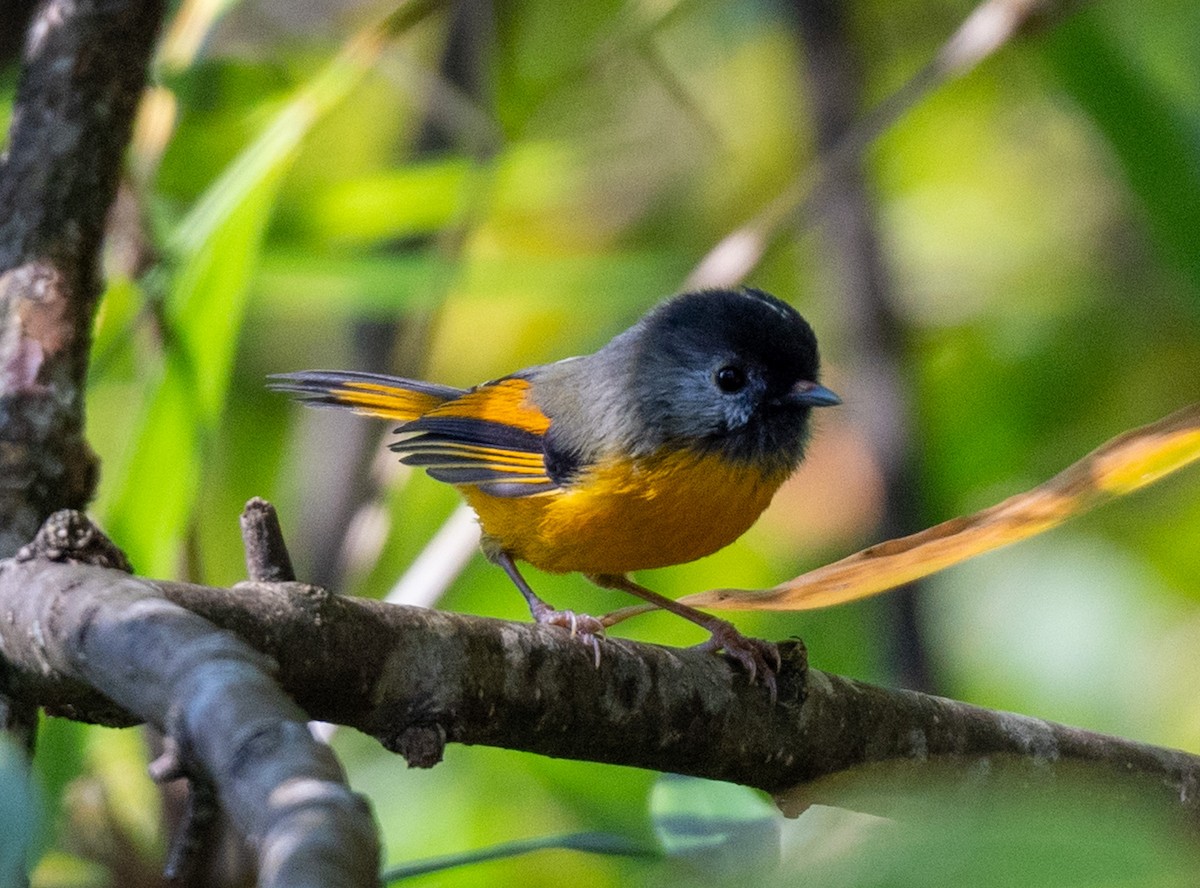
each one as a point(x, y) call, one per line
point(115, 318)
point(1121, 466)
point(410, 201)
point(117, 762)
point(61, 747)
point(60, 870)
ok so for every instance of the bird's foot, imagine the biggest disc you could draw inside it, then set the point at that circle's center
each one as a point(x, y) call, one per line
point(759, 657)
point(588, 630)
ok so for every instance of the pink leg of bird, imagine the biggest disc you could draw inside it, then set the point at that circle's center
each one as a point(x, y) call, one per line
point(588, 630)
point(758, 657)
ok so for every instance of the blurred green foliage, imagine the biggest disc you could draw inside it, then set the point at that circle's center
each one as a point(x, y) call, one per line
point(1077, 833)
point(1039, 221)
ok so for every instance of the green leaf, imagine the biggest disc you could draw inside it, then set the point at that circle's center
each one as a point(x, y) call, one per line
point(381, 284)
point(1156, 145)
point(1076, 831)
point(719, 827)
point(60, 757)
point(406, 202)
point(62, 870)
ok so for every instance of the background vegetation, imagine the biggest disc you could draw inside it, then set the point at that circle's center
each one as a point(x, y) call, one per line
point(304, 193)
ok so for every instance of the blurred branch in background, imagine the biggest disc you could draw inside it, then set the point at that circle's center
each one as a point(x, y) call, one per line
point(862, 295)
point(344, 521)
point(991, 25)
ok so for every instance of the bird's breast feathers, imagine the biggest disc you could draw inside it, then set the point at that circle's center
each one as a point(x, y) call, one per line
point(622, 515)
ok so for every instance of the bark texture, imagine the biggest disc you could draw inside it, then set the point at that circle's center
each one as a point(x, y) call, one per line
point(84, 69)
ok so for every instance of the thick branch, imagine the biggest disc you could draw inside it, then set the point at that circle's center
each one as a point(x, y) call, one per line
point(414, 678)
point(84, 70)
point(79, 626)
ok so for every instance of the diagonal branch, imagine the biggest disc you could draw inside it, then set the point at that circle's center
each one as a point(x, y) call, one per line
point(139, 657)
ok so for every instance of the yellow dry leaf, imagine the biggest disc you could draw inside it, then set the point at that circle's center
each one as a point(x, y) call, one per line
point(1124, 464)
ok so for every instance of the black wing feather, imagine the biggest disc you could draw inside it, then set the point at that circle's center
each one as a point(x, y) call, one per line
point(461, 450)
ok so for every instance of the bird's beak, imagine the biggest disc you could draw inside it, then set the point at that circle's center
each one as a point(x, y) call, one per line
point(811, 394)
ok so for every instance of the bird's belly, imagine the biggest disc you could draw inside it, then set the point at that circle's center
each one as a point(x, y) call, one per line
point(627, 516)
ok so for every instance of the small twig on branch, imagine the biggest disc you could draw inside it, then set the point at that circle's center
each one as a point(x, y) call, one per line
point(212, 695)
point(406, 675)
point(267, 558)
point(190, 860)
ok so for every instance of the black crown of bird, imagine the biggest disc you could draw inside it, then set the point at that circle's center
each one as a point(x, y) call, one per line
point(663, 446)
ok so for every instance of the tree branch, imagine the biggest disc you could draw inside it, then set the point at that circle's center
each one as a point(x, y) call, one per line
point(84, 69)
point(416, 679)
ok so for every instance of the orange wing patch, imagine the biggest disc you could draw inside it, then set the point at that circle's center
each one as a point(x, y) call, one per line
point(504, 401)
point(489, 438)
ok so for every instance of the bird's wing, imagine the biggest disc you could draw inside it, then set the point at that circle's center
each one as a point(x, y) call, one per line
point(491, 437)
point(371, 394)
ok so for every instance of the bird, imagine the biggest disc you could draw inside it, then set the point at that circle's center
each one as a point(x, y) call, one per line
point(663, 446)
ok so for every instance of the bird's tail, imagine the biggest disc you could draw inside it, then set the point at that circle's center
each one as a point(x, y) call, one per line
point(371, 394)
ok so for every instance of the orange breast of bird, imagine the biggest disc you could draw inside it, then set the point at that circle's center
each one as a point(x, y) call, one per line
point(624, 515)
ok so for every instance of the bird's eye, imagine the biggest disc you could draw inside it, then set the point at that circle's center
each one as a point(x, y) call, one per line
point(731, 378)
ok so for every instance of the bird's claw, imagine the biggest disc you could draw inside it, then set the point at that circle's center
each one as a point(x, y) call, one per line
point(759, 657)
point(586, 629)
